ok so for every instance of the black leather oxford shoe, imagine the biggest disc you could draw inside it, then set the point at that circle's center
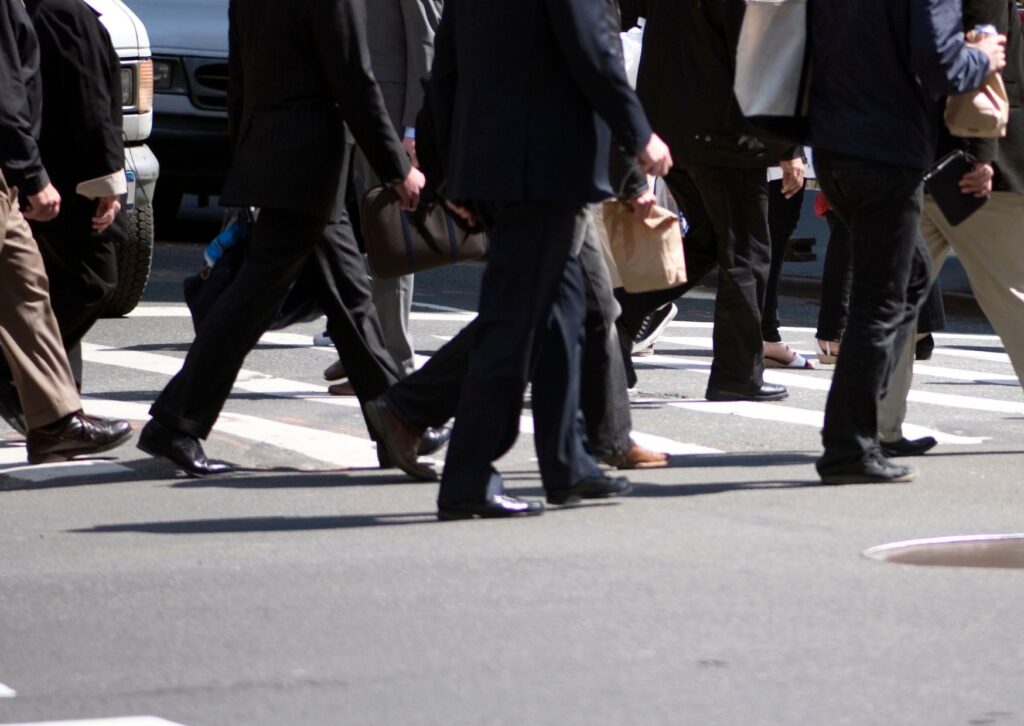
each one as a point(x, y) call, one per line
point(75, 435)
point(433, 440)
point(908, 447)
point(181, 449)
point(750, 392)
point(876, 470)
point(498, 506)
point(593, 487)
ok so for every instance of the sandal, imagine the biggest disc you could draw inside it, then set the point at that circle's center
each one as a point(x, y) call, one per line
point(829, 352)
point(780, 355)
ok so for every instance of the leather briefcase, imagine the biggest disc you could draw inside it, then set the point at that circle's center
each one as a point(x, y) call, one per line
point(401, 243)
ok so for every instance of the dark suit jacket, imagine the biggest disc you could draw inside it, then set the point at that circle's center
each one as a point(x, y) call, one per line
point(515, 87)
point(686, 77)
point(400, 34)
point(298, 71)
point(81, 137)
point(1007, 154)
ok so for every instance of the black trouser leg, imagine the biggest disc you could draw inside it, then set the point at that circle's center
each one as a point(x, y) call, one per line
point(783, 217)
point(530, 248)
point(281, 245)
point(882, 207)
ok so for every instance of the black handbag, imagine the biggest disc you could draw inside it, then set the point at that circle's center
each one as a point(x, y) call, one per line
point(943, 184)
point(203, 289)
point(401, 243)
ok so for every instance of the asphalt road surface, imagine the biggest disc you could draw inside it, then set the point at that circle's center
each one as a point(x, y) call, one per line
point(312, 588)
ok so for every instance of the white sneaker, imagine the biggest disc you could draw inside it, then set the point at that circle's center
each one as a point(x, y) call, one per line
point(323, 339)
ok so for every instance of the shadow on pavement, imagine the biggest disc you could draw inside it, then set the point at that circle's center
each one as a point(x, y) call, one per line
point(264, 524)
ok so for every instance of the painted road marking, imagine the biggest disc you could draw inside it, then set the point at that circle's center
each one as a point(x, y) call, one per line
point(120, 721)
point(340, 450)
point(806, 417)
point(63, 470)
point(7, 692)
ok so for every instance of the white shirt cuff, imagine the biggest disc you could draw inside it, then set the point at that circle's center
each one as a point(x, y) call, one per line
point(111, 185)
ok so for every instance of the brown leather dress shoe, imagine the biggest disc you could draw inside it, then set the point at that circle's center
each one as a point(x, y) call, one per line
point(637, 457)
point(335, 371)
point(400, 443)
point(75, 435)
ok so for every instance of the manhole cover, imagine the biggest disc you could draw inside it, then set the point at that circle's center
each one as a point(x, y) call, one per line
point(1004, 551)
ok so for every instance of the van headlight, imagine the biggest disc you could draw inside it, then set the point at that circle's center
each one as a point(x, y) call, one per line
point(127, 86)
point(163, 75)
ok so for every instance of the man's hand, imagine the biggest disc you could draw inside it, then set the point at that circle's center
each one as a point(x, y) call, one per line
point(792, 177)
point(44, 205)
point(994, 46)
point(409, 144)
point(106, 210)
point(643, 205)
point(655, 158)
point(409, 189)
point(979, 181)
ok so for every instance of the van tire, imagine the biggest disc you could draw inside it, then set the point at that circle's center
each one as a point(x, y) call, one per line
point(134, 262)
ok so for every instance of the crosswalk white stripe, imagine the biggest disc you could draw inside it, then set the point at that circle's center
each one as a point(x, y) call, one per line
point(984, 355)
point(446, 313)
point(293, 340)
point(656, 443)
point(341, 450)
point(7, 692)
point(256, 382)
point(919, 368)
point(797, 380)
point(805, 417)
point(62, 470)
point(120, 721)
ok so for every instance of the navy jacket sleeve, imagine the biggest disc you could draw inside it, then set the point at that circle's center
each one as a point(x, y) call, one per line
point(582, 29)
point(939, 56)
point(19, 150)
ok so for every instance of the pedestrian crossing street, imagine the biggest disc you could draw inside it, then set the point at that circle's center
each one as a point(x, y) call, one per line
point(959, 397)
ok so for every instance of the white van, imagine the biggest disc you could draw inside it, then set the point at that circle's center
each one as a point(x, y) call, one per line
point(135, 257)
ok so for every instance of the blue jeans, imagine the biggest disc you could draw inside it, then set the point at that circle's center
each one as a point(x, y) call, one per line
point(881, 206)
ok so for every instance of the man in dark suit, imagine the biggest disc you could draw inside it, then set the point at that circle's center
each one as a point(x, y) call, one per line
point(515, 87)
point(298, 74)
point(685, 82)
point(81, 147)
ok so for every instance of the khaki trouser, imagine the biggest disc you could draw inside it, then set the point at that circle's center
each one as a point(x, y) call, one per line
point(990, 245)
point(28, 330)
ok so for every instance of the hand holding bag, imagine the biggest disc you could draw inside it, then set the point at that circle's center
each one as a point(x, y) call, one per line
point(980, 114)
point(648, 253)
point(943, 184)
point(401, 243)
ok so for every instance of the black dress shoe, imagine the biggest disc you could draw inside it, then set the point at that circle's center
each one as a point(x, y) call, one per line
point(924, 348)
point(908, 447)
point(181, 449)
point(593, 487)
point(751, 392)
point(433, 439)
point(497, 507)
point(75, 435)
point(876, 470)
